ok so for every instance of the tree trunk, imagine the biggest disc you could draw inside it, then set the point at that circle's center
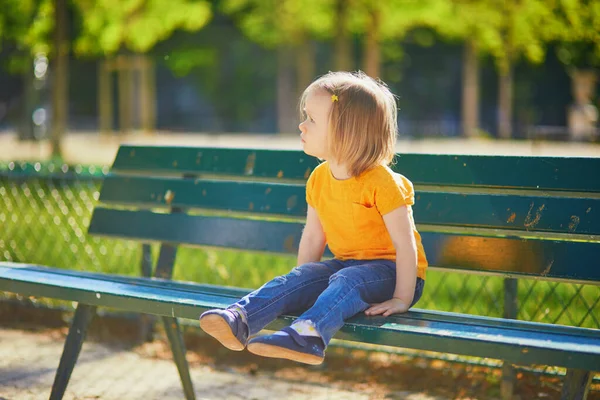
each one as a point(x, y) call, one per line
point(343, 45)
point(30, 100)
point(147, 93)
point(372, 54)
point(105, 104)
point(286, 120)
point(470, 90)
point(505, 101)
point(60, 88)
point(126, 91)
point(305, 65)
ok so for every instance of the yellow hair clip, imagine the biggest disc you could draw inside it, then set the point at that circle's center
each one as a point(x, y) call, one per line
point(334, 98)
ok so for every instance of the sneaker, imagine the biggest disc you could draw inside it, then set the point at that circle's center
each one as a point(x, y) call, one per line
point(293, 346)
point(226, 327)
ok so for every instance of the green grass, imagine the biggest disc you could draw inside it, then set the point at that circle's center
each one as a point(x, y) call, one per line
point(45, 221)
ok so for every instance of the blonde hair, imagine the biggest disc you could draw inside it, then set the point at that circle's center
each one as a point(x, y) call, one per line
point(362, 121)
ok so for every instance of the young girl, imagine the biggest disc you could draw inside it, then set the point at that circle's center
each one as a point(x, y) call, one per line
point(359, 208)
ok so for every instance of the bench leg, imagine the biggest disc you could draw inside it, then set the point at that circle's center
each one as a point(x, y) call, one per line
point(83, 316)
point(576, 385)
point(178, 349)
point(507, 385)
point(147, 321)
point(511, 310)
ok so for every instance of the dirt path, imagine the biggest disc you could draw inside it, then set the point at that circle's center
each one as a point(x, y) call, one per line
point(28, 361)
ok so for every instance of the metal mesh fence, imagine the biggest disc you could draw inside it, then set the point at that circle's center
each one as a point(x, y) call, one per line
point(45, 210)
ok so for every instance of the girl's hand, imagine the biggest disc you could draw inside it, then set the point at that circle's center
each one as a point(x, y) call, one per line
point(393, 306)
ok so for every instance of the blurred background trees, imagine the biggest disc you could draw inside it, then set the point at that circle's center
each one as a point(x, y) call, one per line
point(504, 68)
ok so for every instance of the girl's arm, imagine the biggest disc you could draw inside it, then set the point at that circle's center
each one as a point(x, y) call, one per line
point(399, 226)
point(312, 243)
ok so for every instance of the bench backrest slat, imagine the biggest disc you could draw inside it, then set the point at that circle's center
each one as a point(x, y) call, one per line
point(546, 173)
point(493, 211)
point(198, 161)
point(255, 235)
point(546, 259)
point(259, 197)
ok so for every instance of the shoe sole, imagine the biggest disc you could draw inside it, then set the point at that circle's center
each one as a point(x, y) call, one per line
point(218, 328)
point(271, 351)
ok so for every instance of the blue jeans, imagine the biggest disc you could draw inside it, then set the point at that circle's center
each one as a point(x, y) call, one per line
point(328, 292)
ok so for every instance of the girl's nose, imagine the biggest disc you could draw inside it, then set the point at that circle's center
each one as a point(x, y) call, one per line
point(301, 126)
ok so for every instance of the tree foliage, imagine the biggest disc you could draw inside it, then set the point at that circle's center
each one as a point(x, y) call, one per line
point(109, 25)
point(505, 29)
point(579, 45)
point(26, 26)
point(395, 17)
point(275, 22)
point(106, 26)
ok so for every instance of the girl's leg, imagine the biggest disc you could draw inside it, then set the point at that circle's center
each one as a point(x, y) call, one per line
point(352, 290)
point(295, 291)
point(298, 290)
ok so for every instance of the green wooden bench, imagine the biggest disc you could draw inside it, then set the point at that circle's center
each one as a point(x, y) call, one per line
point(515, 217)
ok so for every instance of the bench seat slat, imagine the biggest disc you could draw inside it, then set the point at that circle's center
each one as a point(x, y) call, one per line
point(522, 342)
point(549, 173)
point(506, 256)
point(562, 215)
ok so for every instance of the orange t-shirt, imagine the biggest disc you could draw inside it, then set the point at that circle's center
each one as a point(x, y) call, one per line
point(351, 212)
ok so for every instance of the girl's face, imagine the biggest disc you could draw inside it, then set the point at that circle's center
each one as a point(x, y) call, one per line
point(315, 127)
